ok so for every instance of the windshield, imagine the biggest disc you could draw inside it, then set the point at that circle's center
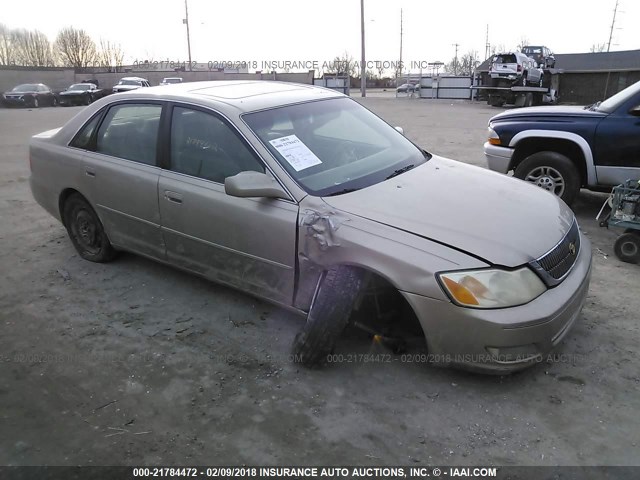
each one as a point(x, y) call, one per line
point(79, 86)
point(129, 82)
point(612, 103)
point(27, 87)
point(334, 146)
point(529, 50)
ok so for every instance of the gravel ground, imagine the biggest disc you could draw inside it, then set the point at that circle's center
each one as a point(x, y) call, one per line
point(135, 363)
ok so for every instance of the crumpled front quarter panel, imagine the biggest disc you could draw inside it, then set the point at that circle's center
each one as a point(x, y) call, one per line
point(328, 237)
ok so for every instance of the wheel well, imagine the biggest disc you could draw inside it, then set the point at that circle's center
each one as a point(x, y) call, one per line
point(569, 149)
point(66, 193)
point(381, 308)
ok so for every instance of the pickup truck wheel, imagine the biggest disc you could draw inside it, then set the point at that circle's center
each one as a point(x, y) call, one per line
point(329, 315)
point(552, 171)
point(86, 231)
point(627, 247)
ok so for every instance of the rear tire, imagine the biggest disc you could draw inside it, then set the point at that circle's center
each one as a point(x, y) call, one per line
point(85, 230)
point(552, 171)
point(627, 247)
point(329, 315)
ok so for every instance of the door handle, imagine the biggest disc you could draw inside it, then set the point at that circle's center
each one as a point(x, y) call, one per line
point(90, 172)
point(172, 196)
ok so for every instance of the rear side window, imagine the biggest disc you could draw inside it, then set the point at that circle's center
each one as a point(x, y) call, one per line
point(130, 131)
point(505, 59)
point(83, 137)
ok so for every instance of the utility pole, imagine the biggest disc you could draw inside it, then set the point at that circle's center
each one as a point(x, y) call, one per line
point(487, 45)
point(615, 10)
point(400, 65)
point(186, 22)
point(455, 59)
point(363, 66)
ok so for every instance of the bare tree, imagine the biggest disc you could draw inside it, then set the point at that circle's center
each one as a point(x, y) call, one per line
point(76, 48)
point(7, 53)
point(598, 47)
point(110, 55)
point(464, 65)
point(524, 41)
point(31, 48)
point(344, 65)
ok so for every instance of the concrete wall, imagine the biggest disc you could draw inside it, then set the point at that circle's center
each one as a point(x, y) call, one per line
point(57, 79)
point(60, 78)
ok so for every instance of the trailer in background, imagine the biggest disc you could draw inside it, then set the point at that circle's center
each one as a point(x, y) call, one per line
point(503, 92)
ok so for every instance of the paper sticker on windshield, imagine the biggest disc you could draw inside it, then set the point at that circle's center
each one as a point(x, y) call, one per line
point(295, 152)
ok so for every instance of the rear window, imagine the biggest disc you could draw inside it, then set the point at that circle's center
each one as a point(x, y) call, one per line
point(505, 58)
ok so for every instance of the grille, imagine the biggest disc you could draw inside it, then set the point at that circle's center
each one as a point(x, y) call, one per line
point(555, 265)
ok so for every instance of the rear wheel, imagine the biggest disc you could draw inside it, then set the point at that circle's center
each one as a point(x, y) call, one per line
point(627, 247)
point(86, 231)
point(552, 171)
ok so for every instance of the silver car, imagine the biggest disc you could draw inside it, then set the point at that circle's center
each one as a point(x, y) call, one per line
point(301, 196)
point(515, 68)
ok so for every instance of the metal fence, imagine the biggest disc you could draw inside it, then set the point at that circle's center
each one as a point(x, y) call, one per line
point(446, 87)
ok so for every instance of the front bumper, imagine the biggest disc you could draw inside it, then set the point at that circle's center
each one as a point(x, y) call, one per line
point(508, 339)
point(17, 102)
point(498, 158)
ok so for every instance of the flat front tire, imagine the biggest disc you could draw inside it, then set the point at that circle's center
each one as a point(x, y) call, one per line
point(553, 172)
point(85, 230)
point(329, 315)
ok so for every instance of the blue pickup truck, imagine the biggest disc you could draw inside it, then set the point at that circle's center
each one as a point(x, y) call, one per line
point(564, 148)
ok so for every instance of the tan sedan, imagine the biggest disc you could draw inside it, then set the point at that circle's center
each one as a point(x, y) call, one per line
point(301, 196)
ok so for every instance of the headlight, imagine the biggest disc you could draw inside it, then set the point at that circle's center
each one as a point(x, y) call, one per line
point(492, 288)
point(494, 138)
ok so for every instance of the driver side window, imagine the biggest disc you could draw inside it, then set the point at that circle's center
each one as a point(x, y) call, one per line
point(204, 146)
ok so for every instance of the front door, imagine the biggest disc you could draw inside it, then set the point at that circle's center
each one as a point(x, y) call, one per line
point(249, 243)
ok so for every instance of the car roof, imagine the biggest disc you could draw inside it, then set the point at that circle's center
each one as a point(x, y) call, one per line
point(240, 95)
point(134, 78)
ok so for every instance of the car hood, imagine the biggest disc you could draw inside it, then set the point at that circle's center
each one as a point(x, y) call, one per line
point(499, 219)
point(20, 93)
point(73, 92)
point(550, 111)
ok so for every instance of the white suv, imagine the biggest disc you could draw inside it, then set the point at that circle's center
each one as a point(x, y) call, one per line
point(130, 83)
point(515, 68)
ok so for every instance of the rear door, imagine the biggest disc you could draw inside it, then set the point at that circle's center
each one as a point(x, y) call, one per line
point(249, 243)
point(120, 176)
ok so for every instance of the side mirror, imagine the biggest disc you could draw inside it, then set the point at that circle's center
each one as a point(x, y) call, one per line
point(400, 129)
point(253, 184)
point(635, 111)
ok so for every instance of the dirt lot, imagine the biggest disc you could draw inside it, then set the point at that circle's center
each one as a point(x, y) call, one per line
point(137, 363)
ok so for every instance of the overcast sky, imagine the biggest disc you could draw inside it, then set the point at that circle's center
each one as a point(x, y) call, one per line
point(279, 30)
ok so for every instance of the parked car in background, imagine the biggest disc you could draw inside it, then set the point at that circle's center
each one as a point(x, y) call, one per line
point(170, 80)
point(79, 94)
point(30, 95)
point(406, 88)
point(564, 148)
point(300, 195)
point(515, 68)
point(543, 56)
point(130, 83)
